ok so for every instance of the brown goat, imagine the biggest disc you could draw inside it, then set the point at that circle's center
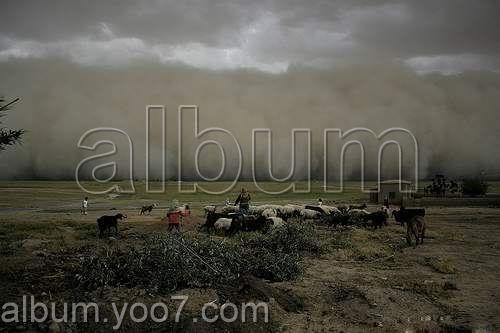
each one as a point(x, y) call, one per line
point(415, 227)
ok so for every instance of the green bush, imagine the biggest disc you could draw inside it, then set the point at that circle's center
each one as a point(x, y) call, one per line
point(169, 262)
point(290, 238)
point(474, 186)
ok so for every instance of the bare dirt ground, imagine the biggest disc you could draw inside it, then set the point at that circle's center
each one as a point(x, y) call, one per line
point(367, 280)
point(449, 283)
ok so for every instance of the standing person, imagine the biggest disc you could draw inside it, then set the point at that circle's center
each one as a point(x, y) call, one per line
point(244, 201)
point(85, 204)
point(173, 218)
point(386, 201)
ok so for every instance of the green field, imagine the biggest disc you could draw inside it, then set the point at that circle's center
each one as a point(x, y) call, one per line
point(47, 194)
point(67, 194)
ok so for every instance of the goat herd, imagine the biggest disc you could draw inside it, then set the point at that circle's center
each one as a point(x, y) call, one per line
point(227, 219)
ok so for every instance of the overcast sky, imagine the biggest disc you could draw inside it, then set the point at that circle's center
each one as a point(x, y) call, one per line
point(448, 36)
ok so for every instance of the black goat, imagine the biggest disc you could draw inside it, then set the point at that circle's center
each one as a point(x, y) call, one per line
point(106, 222)
point(362, 206)
point(378, 219)
point(403, 215)
point(212, 217)
point(250, 223)
point(148, 209)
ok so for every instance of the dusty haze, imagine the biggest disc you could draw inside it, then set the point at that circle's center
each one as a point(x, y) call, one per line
point(454, 118)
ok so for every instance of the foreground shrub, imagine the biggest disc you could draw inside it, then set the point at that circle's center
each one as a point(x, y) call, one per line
point(290, 238)
point(168, 262)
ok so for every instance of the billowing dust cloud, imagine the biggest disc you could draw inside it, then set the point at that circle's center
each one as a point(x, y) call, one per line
point(454, 118)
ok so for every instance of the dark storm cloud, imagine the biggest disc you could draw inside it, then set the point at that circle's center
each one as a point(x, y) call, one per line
point(430, 27)
point(318, 33)
point(157, 21)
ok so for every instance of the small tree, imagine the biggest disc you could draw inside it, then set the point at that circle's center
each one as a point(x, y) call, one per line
point(474, 186)
point(8, 137)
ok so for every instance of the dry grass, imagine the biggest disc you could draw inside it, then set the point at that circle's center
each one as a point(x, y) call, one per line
point(441, 265)
point(367, 244)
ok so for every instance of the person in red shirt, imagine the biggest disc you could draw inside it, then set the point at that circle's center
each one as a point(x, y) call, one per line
point(173, 219)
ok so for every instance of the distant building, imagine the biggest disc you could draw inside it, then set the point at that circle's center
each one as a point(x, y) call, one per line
point(389, 189)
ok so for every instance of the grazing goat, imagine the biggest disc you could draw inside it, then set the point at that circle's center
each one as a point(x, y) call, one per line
point(323, 210)
point(212, 217)
point(385, 210)
point(106, 222)
point(357, 213)
point(363, 206)
point(148, 209)
point(344, 209)
point(404, 214)
point(336, 219)
point(276, 207)
point(269, 212)
point(256, 210)
point(223, 223)
point(309, 214)
point(378, 219)
point(330, 210)
point(231, 225)
point(289, 211)
point(276, 221)
point(209, 209)
point(250, 223)
point(230, 209)
point(240, 222)
point(415, 227)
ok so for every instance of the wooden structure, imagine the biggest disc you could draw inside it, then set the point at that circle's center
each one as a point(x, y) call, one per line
point(391, 191)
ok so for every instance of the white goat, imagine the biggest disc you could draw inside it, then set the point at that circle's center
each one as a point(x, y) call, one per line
point(276, 221)
point(269, 212)
point(330, 210)
point(290, 210)
point(386, 211)
point(309, 214)
point(230, 209)
point(223, 223)
point(253, 210)
point(209, 209)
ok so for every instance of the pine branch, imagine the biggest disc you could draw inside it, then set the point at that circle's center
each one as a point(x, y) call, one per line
point(6, 106)
point(8, 137)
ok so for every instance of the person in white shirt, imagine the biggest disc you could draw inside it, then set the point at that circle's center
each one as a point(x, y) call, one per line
point(85, 204)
